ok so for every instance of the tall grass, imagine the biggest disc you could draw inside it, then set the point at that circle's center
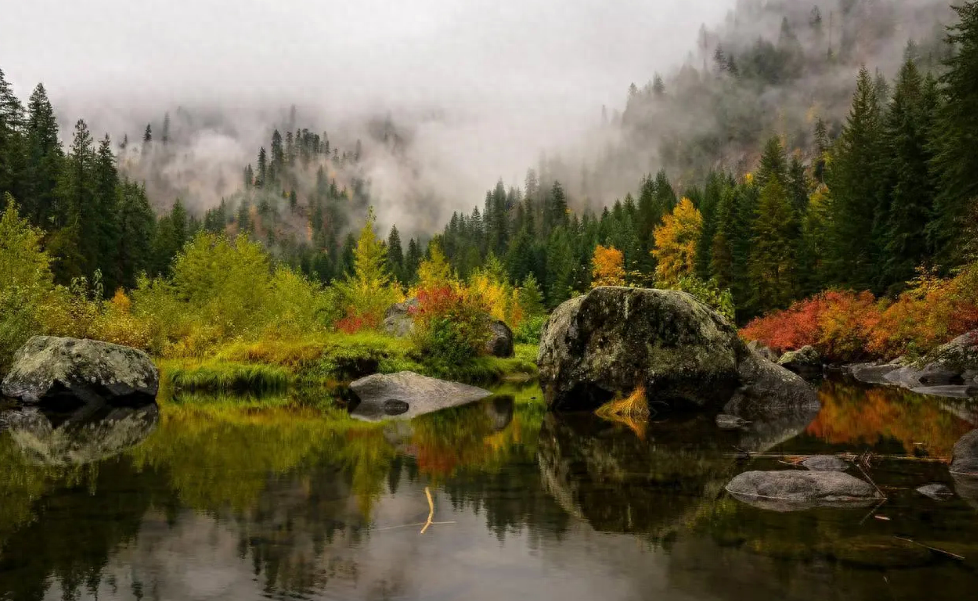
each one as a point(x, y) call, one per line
point(219, 376)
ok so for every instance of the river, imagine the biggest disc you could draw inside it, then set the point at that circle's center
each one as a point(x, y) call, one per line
point(225, 498)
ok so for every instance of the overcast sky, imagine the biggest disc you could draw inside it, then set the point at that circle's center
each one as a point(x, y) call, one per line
point(530, 73)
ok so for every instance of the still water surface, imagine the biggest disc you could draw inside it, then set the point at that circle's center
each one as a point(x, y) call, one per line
point(204, 500)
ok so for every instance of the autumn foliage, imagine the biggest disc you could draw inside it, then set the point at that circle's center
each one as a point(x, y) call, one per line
point(847, 326)
point(608, 267)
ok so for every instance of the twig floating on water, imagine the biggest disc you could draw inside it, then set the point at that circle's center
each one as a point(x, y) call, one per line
point(935, 549)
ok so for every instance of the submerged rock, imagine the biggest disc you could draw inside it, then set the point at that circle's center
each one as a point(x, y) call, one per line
point(789, 490)
point(872, 373)
point(49, 370)
point(825, 463)
point(83, 437)
point(938, 492)
point(805, 360)
point(964, 457)
point(406, 395)
point(613, 340)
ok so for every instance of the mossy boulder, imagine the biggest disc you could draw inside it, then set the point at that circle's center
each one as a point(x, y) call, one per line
point(55, 371)
point(613, 340)
point(806, 360)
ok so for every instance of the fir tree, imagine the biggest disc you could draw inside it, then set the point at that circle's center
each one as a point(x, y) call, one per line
point(43, 160)
point(773, 273)
point(395, 255)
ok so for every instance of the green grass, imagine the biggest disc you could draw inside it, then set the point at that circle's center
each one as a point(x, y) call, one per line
point(221, 376)
point(324, 360)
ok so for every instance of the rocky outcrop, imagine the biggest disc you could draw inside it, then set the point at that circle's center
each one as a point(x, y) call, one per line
point(399, 321)
point(789, 490)
point(950, 370)
point(55, 371)
point(612, 341)
point(82, 437)
point(806, 361)
point(406, 395)
point(500, 343)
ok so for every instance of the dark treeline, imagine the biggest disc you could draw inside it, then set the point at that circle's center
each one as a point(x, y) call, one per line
point(864, 205)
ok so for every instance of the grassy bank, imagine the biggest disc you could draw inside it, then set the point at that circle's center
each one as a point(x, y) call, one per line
point(323, 360)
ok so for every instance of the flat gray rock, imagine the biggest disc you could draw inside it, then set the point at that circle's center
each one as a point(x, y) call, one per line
point(53, 369)
point(790, 490)
point(407, 395)
point(872, 373)
point(938, 492)
point(730, 422)
point(825, 463)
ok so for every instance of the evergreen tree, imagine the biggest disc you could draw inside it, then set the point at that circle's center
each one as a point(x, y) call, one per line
point(773, 269)
point(412, 259)
point(955, 160)
point(910, 188)
point(854, 181)
point(43, 160)
point(395, 255)
point(76, 211)
point(560, 267)
point(11, 139)
point(107, 198)
point(165, 136)
point(136, 224)
point(262, 176)
point(774, 164)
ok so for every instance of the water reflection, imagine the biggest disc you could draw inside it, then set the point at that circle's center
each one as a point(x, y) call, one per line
point(277, 498)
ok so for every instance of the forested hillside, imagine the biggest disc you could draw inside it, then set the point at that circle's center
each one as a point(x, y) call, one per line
point(791, 154)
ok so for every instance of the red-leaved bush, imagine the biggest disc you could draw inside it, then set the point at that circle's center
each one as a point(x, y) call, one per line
point(846, 326)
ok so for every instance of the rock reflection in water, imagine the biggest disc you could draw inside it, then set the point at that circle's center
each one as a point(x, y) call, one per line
point(82, 437)
point(618, 482)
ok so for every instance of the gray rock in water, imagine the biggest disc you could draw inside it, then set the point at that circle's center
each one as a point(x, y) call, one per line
point(825, 463)
point(500, 343)
point(806, 360)
point(796, 490)
point(613, 340)
point(964, 457)
point(398, 320)
point(938, 492)
point(959, 356)
point(384, 395)
point(730, 422)
point(49, 369)
point(872, 373)
point(84, 437)
point(967, 488)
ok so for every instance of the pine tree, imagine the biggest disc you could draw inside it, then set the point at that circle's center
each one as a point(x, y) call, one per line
point(955, 160)
point(165, 137)
point(107, 198)
point(136, 230)
point(412, 259)
point(262, 175)
point(560, 267)
point(910, 188)
point(774, 164)
point(773, 268)
point(76, 211)
point(43, 160)
point(854, 181)
point(395, 255)
point(11, 139)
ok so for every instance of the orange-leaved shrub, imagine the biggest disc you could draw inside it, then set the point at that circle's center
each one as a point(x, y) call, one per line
point(848, 326)
point(451, 326)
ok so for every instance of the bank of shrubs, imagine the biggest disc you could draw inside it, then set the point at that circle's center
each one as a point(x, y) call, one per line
point(225, 291)
point(848, 326)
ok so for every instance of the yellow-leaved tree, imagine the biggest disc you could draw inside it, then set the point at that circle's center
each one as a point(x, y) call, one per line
point(370, 289)
point(607, 267)
point(675, 243)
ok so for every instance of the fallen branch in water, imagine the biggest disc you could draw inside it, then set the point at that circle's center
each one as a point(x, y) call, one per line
point(431, 509)
point(935, 549)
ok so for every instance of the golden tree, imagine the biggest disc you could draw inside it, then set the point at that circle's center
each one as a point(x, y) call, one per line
point(675, 243)
point(608, 267)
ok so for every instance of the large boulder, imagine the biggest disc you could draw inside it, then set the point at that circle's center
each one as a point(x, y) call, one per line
point(789, 490)
point(612, 341)
point(406, 395)
point(806, 360)
point(49, 370)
